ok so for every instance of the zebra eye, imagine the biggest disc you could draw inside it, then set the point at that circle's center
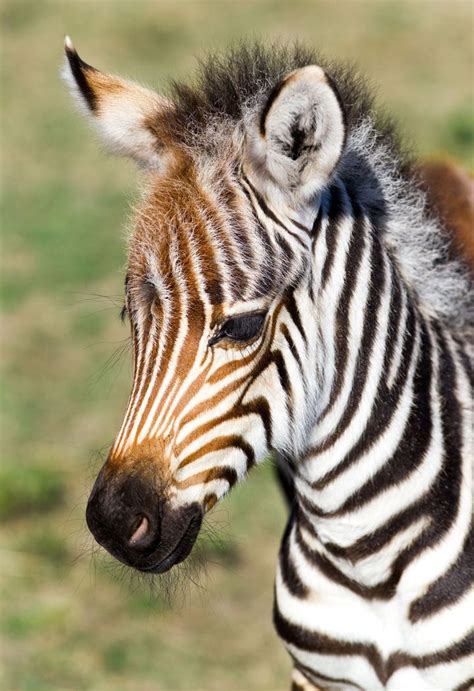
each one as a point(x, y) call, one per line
point(243, 328)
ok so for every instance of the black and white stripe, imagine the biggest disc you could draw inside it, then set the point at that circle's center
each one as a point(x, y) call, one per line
point(376, 568)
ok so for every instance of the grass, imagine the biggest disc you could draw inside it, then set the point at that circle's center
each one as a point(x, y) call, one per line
point(28, 490)
point(71, 618)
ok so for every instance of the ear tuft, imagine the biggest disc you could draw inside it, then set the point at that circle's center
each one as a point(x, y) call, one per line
point(79, 71)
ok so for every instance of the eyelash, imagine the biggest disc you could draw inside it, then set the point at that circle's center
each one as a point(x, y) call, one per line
point(221, 334)
point(252, 322)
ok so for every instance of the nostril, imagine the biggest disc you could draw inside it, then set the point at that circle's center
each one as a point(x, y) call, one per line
point(139, 530)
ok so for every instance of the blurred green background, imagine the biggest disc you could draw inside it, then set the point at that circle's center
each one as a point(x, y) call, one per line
point(71, 619)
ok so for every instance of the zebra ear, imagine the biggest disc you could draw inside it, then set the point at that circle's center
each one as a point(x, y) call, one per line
point(300, 135)
point(122, 110)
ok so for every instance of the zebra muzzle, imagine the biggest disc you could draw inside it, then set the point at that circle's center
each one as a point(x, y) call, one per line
point(127, 516)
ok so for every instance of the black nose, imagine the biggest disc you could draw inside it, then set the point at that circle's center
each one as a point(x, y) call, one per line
point(128, 516)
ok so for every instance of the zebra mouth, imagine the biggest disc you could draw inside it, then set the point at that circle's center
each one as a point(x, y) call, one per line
point(138, 527)
point(180, 551)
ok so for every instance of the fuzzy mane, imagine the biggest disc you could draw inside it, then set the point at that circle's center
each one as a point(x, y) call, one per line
point(232, 87)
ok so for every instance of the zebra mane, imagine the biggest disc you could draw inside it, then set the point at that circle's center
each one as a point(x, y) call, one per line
point(231, 87)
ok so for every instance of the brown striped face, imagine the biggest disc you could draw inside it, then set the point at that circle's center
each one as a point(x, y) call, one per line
point(208, 394)
point(203, 327)
point(218, 279)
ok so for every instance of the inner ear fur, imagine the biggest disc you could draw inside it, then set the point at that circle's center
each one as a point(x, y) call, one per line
point(296, 141)
point(123, 111)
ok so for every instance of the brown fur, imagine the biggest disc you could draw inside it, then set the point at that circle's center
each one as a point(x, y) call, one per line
point(450, 192)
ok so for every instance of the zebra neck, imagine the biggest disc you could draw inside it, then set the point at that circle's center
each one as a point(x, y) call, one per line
point(380, 462)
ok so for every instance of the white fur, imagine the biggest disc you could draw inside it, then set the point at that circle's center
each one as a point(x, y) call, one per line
point(308, 101)
point(121, 114)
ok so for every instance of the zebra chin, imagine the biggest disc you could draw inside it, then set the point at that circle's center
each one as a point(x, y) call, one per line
point(136, 525)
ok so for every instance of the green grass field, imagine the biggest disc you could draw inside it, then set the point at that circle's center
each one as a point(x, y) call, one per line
point(71, 619)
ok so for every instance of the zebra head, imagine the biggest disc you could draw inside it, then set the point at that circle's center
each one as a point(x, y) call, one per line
point(218, 295)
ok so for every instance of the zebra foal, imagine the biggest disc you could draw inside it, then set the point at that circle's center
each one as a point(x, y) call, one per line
point(287, 293)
